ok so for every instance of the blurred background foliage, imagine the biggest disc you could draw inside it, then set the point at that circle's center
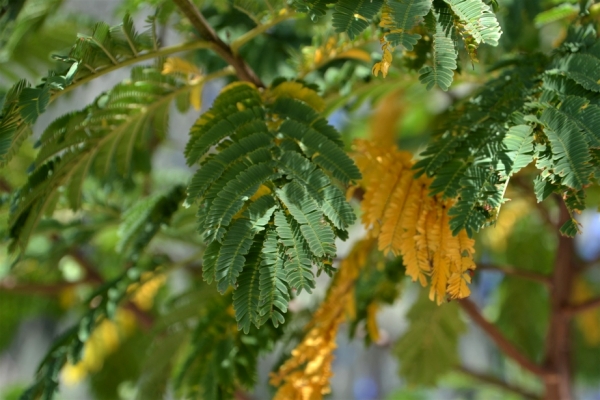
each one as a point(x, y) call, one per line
point(170, 317)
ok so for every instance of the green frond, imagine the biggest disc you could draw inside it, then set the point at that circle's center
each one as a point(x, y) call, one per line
point(443, 60)
point(405, 14)
point(142, 221)
point(354, 16)
point(239, 239)
point(209, 261)
point(571, 154)
point(214, 168)
point(101, 138)
point(205, 135)
point(585, 116)
point(322, 151)
point(232, 197)
point(297, 262)
point(317, 233)
point(246, 297)
point(583, 69)
point(478, 21)
point(314, 8)
point(319, 187)
point(301, 112)
point(519, 148)
point(274, 296)
point(557, 13)
point(437, 153)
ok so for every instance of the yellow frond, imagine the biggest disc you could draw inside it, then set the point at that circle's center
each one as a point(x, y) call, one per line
point(298, 91)
point(305, 376)
point(382, 129)
point(398, 210)
point(176, 65)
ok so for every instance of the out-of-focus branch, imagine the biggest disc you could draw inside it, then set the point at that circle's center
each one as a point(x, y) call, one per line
point(492, 380)
point(574, 309)
point(501, 341)
point(509, 270)
point(206, 32)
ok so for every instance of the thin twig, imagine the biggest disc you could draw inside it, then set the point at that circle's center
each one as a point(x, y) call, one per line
point(492, 380)
point(501, 341)
point(508, 270)
point(588, 305)
point(243, 70)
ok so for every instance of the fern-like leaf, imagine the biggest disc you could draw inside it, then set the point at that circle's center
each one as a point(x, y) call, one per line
point(569, 148)
point(297, 262)
point(404, 15)
point(274, 295)
point(478, 20)
point(441, 73)
point(353, 16)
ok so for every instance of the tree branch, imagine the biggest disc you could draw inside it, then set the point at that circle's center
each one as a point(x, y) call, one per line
point(501, 341)
point(243, 70)
point(508, 270)
point(588, 305)
point(492, 380)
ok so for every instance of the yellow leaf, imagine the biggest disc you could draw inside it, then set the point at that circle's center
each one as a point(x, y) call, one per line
point(297, 91)
point(356, 54)
point(176, 65)
point(196, 97)
point(372, 327)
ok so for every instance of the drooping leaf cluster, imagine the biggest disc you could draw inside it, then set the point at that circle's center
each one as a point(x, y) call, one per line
point(105, 140)
point(409, 23)
point(103, 50)
point(270, 206)
point(541, 109)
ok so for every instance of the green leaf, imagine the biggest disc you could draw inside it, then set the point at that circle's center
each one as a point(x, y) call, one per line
point(354, 16)
point(570, 228)
point(274, 297)
point(405, 15)
point(322, 151)
point(318, 233)
point(570, 152)
point(429, 347)
point(441, 72)
point(297, 264)
point(519, 146)
point(232, 197)
point(246, 297)
point(478, 20)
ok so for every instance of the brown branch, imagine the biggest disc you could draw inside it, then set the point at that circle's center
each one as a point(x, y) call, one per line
point(206, 32)
point(501, 341)
point(5, 186)
point(557, 357)
point(588, 305)
point(492, 380)
point(508, 270)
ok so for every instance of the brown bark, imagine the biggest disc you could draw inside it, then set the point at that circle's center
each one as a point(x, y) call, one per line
point(558, 353)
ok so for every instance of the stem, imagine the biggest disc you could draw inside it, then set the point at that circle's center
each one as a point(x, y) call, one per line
point(509, 270)
point(130, 61)
point(574, 309)
point(261, 28)
point(501, 341)
point(492, 380)
point(243, 70)
point(557, 353)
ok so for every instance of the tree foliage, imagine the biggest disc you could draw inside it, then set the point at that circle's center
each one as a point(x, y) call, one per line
point(272, 188)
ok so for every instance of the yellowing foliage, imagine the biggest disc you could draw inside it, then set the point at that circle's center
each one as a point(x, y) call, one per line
point(298, 91)
point(398, 211)
point(305, 376)
point(176, 65)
